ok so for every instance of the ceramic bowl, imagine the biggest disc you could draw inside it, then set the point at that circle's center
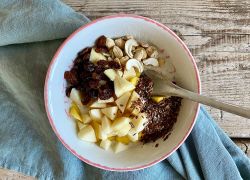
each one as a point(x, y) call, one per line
point(57, 104)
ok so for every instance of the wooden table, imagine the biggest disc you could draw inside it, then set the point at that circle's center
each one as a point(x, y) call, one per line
point(217, 33)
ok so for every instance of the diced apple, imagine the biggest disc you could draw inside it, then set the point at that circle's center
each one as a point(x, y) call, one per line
point(94, 56)
point(110, 112)
point(87, 134)
point(120, 73)
point(128, 74)
point(105, 144)
point(136, 111)
point(86, 118)
point(122, 86)
point(75, 112)
point(120, 123)
point(133, 136)
point(96, 104)
point(139, 123)
point(95, 114)
point(134, 80)
point(123, 139)
point(83, 109)
point(123, 131)
point(75, 96)
point(119, 147)
point(157, 98)
point(106, 125)
point(80, 125)
point(122, 101)
point(111, 74)
point(134, 97)
point(100, 101)
point(101, 134)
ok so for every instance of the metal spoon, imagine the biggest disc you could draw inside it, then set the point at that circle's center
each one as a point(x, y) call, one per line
point(165, 87)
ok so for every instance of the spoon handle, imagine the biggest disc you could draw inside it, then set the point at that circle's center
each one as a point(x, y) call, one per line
point(241, 111)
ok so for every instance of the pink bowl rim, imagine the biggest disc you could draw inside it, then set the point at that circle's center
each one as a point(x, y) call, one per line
point(58, 52)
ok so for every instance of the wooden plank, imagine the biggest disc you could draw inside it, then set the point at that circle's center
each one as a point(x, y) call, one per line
point(216, 32)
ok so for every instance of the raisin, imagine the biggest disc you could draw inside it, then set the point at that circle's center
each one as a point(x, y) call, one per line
point(105, 93)
point(68, 90)
point(71, 77)
point(103, 63)
point(93, 93)
point(84, 51)
point(93, 83)
point(99, 69)
point(89, 67)
point(101, 50)
point(86, 99)
point(114, 65)
point(101, 42)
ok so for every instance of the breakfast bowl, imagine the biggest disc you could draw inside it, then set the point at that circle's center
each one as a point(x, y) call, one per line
point(140, 155)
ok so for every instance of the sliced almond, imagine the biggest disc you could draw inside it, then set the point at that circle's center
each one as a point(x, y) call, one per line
point(129, 46)
point(151, 61)
point(135, 64)
point(117, 52)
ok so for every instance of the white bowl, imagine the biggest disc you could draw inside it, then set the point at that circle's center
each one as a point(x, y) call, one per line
point(57, 104)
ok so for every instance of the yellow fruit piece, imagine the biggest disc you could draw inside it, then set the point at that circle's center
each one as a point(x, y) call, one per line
point(157, 98)
point(134, 80)
point(123, 139)
point(135, 111)
point(75, 112)
point(138, 74)
point(95, 126)
point(111, 138)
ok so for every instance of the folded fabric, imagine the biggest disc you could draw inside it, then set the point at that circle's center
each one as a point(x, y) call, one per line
point(30, 33)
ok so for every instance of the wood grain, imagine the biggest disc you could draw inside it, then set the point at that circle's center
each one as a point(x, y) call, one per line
point(216, 32)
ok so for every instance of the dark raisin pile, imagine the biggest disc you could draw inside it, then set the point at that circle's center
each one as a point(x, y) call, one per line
point(89, 78)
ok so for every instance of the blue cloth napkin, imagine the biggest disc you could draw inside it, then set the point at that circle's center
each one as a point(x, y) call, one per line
point(30, 33)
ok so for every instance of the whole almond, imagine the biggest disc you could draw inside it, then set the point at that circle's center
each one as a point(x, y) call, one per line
point(120, 43)
point(124, 59)
point(117, 52)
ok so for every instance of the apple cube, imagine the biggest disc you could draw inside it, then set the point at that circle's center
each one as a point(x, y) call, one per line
point(86, 118)
point(100, 101)
point(134, 97)
point(96, 104)
point(120, 123)
point(106, 125)
point(122, 101)
point(87, 134)
point(128, 74)
point(94, 56)
point(110, 112)
point(157, 98)
point(122, 86)
point(111, 74)
point(139, 122)
point(123, 131)
point(95, 114)
point(80, 125)
point(75, 96)
point(75, 112)
point(105, 144)
point(119, 147)
point(133, 136)
point(134, 80)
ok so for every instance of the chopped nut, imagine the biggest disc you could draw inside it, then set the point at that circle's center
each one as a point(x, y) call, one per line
point(118, 61)
point(144, 44)
point(110, 59)
point(150, 50)
point(151, 61)
point(117, 52)
point(112, 53)
point(129, 37)
point(120, 43)
point(154, 54)
point(109, 43)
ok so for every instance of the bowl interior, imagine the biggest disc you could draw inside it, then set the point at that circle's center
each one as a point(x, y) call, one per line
point(57, 104)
